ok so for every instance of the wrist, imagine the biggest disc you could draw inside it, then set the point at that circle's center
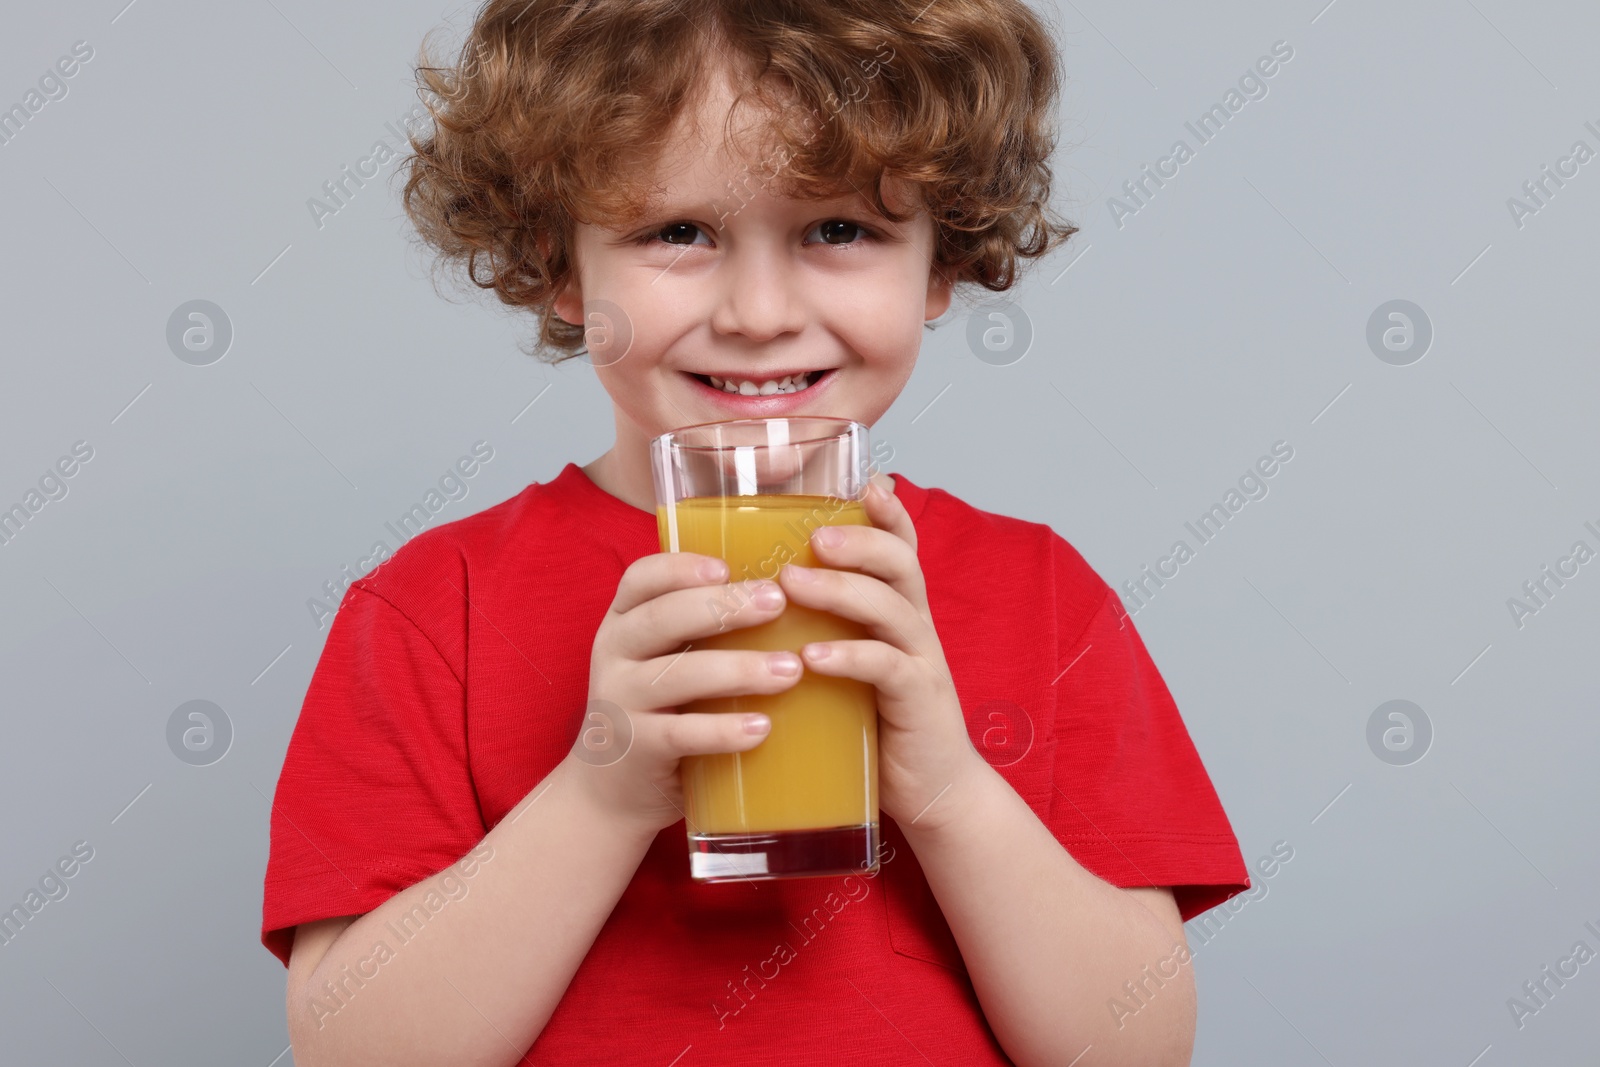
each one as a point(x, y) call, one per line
point(595, 790)
point(962, 806)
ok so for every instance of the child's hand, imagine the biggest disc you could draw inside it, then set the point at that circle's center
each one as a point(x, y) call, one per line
point(923, 745)
point(633, 734)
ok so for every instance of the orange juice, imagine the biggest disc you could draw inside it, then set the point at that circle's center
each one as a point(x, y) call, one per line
point(818, 768)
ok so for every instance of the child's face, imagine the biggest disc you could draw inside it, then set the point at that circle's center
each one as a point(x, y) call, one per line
point(726, 278)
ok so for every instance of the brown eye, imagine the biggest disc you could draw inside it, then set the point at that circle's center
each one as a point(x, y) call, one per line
point(839, 231)
point(678, 233)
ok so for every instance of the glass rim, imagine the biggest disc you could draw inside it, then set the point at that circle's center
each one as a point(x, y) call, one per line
point(669, 439)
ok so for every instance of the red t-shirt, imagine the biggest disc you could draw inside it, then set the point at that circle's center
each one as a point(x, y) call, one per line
point(428, 718)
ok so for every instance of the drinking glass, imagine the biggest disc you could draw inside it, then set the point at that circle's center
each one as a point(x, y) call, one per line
point(804, 802)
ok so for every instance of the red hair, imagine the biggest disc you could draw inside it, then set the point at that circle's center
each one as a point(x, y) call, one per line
point(555, 111)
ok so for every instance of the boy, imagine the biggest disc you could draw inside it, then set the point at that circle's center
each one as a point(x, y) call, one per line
point(740, 208)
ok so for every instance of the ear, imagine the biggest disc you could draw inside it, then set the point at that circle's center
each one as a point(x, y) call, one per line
point(568, 301)
point(940, 287)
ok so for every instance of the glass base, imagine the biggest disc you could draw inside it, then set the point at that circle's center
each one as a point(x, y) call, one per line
point(837, 850)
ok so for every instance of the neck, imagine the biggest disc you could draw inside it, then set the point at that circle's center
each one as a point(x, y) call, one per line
point(624, 471)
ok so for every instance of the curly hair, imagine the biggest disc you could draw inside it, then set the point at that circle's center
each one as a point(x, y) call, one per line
point(555, 111)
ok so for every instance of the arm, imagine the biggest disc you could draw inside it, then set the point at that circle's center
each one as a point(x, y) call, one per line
point(477, 984)
point(475, 987)
point(1048, 945)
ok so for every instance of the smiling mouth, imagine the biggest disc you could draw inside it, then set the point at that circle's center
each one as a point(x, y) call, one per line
point(764, 387)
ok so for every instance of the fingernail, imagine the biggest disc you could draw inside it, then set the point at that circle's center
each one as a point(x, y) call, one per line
point(818, 652)
point(783, 664)
point(767, 595)
point(757, 724)
point(713, 570)
point(797, 573)
point(828, 537)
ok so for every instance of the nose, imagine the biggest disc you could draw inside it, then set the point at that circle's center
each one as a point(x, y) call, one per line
point(760, 297)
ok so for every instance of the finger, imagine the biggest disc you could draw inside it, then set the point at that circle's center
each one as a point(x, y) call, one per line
point(680, 615)
point(887, 511)
point(878, 552)
point(699, 674)
point(861, 598)
point(649, 576)
point(874, 662)
point(704, 733)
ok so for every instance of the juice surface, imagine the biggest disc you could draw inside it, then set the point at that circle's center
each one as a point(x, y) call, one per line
point(819, 765)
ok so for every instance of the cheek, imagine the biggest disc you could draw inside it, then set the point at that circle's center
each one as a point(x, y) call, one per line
point(882, 309)
point(627, 329)
point(625, 384)
point(886, 333)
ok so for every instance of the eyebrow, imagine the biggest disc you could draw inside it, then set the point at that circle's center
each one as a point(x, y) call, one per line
point(845, 203)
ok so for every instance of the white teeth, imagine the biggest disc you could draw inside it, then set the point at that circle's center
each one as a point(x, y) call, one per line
point(788, 384)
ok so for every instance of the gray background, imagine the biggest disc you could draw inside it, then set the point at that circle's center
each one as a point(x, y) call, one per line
point(1230, 312)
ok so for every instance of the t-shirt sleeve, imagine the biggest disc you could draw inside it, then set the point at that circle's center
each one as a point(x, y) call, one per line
point(375, 792)
point(1132, 801)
